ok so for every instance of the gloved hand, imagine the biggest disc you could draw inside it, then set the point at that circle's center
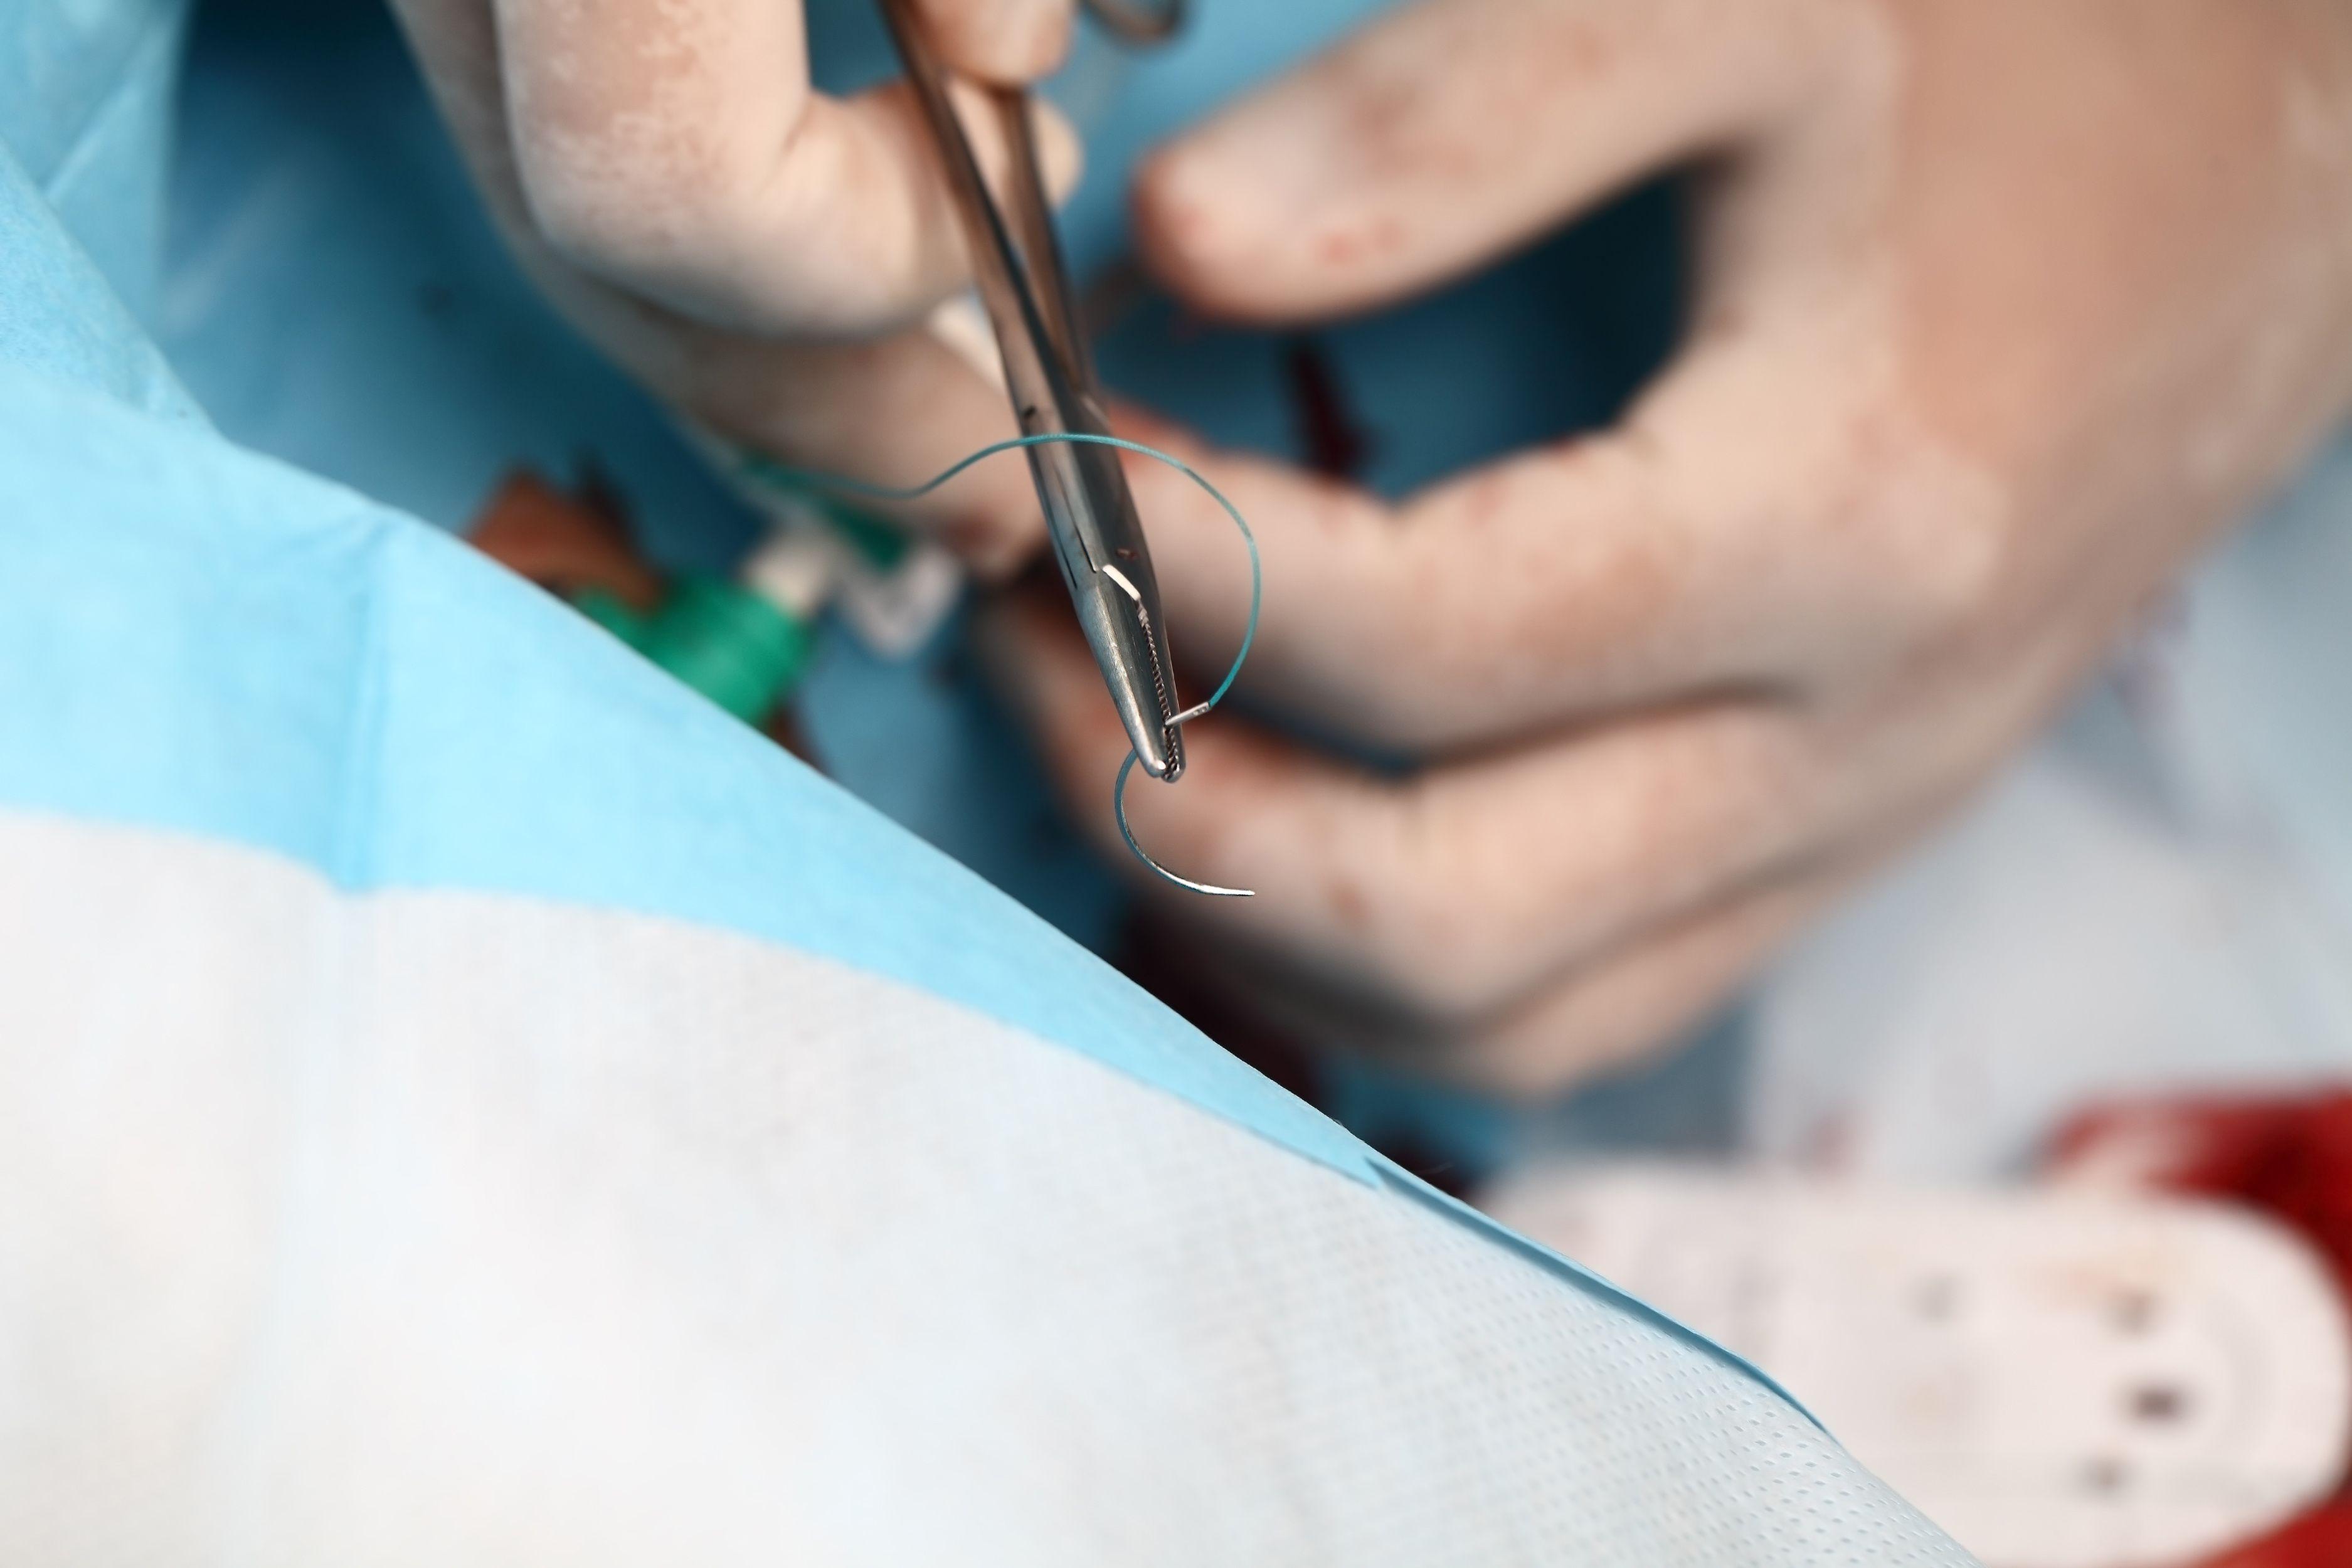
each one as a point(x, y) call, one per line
point(2003, 309)
point(759, 254)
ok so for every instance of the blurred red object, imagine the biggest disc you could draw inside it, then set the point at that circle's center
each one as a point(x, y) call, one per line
point(2286, 1156)
point(578, 540)
point(2320, 1539)
point(2289, 1157)
point(567, 542)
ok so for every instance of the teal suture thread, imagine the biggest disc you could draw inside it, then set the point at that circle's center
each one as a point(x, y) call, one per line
point(773, 473)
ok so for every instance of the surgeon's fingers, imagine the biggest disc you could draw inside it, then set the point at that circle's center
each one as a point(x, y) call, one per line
point(1458, 889)
point(1603, 1013)
point(676, 147)
point(1715, 541)
point(893, 410)
point(1449, 132)
point(1770, 514)
point(1592, 1018)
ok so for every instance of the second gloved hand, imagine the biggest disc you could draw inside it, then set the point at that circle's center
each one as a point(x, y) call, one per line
point(2004, 309)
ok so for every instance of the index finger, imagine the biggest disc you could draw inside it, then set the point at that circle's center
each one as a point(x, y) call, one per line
point(1759, 520)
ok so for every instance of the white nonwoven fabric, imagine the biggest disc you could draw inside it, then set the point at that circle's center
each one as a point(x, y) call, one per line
point(447, 1229)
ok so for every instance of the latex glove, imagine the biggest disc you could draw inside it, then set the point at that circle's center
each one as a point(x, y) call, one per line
point(759, 254)
point(2003, 308)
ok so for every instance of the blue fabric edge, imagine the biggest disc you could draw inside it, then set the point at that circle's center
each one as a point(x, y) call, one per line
point(401, 625)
